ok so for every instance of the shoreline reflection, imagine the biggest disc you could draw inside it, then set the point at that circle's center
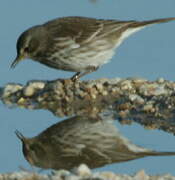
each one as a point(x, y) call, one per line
point(94, 141)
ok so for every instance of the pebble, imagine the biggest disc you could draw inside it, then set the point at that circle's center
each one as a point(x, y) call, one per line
point(126, 85)
point(148, 108)
point(83, 171)
point(141, 175)
point(136, 98)
point(160, 90)
point(161, 80)
point(32, 87)
point(84, 174)
point(130, 94)
point(11, 89)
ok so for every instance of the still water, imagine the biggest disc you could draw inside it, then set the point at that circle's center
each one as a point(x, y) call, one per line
point(105, 134)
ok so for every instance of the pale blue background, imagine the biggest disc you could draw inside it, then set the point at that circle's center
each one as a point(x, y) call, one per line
point(149, 54)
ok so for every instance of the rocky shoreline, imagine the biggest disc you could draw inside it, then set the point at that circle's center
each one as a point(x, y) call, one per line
point(150, 103)
point(83, 173)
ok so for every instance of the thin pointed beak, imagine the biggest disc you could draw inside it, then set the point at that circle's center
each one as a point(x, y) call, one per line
point(19, 135)
point(16, 61)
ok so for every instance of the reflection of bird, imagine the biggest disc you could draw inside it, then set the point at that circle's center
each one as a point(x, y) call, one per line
point(79, 140)
point(77, 44)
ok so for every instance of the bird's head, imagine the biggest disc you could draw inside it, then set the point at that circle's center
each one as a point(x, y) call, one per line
point(34, 151)
point(28, 44)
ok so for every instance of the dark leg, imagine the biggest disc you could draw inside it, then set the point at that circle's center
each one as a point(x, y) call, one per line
point(78, 75)
point(75, 77)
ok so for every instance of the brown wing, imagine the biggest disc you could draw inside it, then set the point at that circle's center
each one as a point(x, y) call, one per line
point(82, 29)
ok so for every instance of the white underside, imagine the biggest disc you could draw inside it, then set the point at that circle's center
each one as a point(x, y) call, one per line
point(79, 57)
point(128, 33)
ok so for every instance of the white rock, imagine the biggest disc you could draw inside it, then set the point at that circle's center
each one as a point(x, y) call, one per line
point(141, 175)
point(137, 98)
point(10, 89)
point(83, 171)
point(32, 86)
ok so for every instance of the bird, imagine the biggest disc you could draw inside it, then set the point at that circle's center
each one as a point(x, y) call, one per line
point(77, 44)
point(79, 140)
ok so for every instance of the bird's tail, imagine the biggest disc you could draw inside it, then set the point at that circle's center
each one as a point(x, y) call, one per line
point(149, 22)
point(156, 153)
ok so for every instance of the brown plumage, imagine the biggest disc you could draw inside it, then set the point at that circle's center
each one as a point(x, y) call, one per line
point(77, 44)
point(92, 141)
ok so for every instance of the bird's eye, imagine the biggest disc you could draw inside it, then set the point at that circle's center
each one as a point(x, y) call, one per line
point(26, 49)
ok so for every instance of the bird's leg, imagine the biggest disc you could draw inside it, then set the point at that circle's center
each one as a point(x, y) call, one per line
point(75, 77)
point(78, 75)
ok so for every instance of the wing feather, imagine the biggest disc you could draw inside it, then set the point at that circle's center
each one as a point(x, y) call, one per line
point(82, 29)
